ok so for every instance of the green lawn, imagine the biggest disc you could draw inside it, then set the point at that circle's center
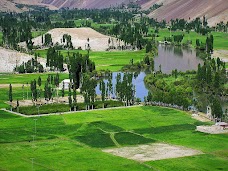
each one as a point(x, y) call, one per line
point(21, 79)
point(37, 33)
point(74, 142)
point(93, 24)
point(220, 39)
point(113, 61)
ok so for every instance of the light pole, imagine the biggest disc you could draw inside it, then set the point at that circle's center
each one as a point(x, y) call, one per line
point(33, 141)
point(35, 125)
point(32, 162)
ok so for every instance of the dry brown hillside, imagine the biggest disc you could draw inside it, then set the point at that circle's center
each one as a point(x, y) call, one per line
point(84, 3)
point(215, 11)
point(10, 5)
point(7, 6)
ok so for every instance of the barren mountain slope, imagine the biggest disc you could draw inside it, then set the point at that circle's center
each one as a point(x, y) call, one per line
point(191, 9)
point(35, 2)
point(146, 4)
point(7, 6)
point(84, 3)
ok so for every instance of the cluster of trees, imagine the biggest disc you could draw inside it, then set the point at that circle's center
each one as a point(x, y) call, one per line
point(211, 78)
point(125, 90)
point(67, 41)
point(131, 33)
point(222, 27)
point(212, 75)
point(208, 45)
point(178, 38)
point(199, 26)
point(176, 93)
point(30, 66)
point(79, 66)
point(88, 90)
point(55, 59)
point(15, 31)
point(50, 88)
point(47, 40)
point(148, 60)
point(97, 15)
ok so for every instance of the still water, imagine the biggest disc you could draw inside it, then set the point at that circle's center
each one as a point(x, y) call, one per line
point(138, 82)
point(170, 58)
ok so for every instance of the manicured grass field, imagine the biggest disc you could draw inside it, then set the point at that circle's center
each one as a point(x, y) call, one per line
point(220, 39)
point(113, 61)
point(75, 141)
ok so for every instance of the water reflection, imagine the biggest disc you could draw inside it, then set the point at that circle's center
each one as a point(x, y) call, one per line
point(138, 82)
point(171, 57)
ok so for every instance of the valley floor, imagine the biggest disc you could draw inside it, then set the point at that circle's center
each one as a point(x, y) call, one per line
point(78, 141)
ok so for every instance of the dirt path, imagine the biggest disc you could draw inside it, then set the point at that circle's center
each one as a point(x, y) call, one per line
point(112, 136)
point(201, 117)
point(13, 85)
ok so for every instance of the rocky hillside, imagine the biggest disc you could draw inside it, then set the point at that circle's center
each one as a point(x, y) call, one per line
point(215, 11)
point(84, 3)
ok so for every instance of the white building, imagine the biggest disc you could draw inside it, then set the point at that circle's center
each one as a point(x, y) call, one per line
point(66, 83)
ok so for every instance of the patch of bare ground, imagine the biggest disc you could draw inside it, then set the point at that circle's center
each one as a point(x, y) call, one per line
point(214, 129)
point(10, 59)
point(7, 85)
point(79, 36)
point(155, 151)
point(80, 99)
point(222, 54)
point(201, 117)
point(8, 6)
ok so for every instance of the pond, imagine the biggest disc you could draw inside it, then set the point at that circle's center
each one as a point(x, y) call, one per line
point(175, 57)
point(138, 82)
point(170, 58)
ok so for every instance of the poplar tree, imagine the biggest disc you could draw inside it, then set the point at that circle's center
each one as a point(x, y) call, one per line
point(10, 96)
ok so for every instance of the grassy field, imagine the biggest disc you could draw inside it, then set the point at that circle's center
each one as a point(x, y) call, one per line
point(113, 61)
point(220, 39)
point(6, 79)
point(37, 33)
point(74, 142)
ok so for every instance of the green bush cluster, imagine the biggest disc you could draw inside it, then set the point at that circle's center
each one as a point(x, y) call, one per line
point(58, 108)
